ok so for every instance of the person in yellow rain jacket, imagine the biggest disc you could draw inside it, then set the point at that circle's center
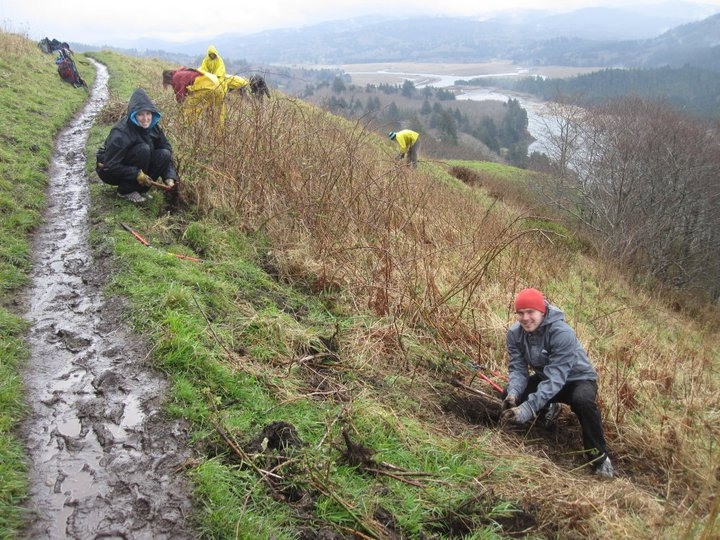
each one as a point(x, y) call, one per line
point(201, 93)
point(205, 98)
point(409, 144)
point(235, 82)
point(213, 63)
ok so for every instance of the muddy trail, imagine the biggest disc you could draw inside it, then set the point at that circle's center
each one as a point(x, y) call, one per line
point(105, 461)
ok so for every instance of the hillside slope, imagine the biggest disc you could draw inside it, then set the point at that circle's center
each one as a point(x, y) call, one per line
point(342, 293)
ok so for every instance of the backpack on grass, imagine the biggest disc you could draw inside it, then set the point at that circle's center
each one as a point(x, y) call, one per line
point(67, 70)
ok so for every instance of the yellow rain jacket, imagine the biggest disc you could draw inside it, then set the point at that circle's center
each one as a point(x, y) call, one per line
point(406, 138)
point(234, 82)
point(216, 66)
point(205, 98)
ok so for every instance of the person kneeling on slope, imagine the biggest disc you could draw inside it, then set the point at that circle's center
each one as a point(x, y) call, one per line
point(562, 373)
point(136, 152)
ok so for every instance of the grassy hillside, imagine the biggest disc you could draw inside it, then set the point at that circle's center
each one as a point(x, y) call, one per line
point(34, 105)
point(313, 350)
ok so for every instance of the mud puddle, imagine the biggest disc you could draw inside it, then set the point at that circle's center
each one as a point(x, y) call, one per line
point(104, 461)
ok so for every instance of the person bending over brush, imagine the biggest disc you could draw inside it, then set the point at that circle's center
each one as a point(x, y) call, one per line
point(409, 143)
point(136, 152)
point(562, 373)
point(180, 79)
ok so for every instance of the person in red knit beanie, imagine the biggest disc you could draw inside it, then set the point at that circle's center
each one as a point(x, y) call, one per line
point(530, 299)
point(543, 342)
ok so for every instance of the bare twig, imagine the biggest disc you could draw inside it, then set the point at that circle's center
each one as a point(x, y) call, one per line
point(458, 383)
point(242, 454)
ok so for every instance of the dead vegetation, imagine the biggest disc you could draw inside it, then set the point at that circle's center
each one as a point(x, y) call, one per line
point(437, 264)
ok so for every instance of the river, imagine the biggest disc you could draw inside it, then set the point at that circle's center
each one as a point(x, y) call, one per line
point(537, 125)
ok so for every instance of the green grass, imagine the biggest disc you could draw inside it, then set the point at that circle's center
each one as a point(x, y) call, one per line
point(34, 105)
point(498, 170)
point(194, 323)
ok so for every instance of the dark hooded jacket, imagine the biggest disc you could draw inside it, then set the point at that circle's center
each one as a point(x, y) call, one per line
point(126, 133)
point(554, 353)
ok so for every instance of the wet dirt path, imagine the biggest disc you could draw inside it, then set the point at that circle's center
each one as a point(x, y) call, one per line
point(105, 461)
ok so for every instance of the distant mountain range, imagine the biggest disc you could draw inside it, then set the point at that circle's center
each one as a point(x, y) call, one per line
point(673, 33)
point(694, 44)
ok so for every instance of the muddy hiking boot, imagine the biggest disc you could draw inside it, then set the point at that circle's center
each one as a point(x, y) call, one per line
point(549, 415)
point(133, 197)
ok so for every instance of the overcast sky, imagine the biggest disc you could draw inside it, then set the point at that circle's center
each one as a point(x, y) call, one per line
point(97, 22)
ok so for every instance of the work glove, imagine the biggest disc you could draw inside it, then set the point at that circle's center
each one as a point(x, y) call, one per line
point(143, 179)
point(517, 415)
point(509, 402)
point(169, 182)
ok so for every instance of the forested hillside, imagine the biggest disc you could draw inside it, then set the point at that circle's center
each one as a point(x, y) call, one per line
point(459, 129)
point(689, 89)
point(599, 36)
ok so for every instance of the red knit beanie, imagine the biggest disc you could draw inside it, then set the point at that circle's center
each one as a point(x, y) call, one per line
point(530, 299)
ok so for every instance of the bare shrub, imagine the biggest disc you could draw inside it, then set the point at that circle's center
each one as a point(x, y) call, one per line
point(435, 262)
point(394, 240)
point(643, 177)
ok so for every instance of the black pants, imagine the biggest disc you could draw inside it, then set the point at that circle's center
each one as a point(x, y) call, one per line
point(580, 395)
point(154, 162)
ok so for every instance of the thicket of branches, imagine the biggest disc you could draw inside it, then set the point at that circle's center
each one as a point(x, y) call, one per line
point(644, 179)
point(379, 228)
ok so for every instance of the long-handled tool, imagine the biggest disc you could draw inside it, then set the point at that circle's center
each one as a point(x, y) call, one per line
point(490, 382)
point(162, 186)
point(479, 372)
point(494, 373)
point(144, 242)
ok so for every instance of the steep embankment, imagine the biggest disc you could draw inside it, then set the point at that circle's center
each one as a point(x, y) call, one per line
point(376, 286)
point(313, 350)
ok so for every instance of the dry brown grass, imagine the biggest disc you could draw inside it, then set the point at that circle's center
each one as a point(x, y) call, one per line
point(343, 213)
point(438, 263)
point(16, 47)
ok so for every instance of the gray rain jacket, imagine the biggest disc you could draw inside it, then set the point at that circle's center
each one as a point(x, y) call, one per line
point(554, 353)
